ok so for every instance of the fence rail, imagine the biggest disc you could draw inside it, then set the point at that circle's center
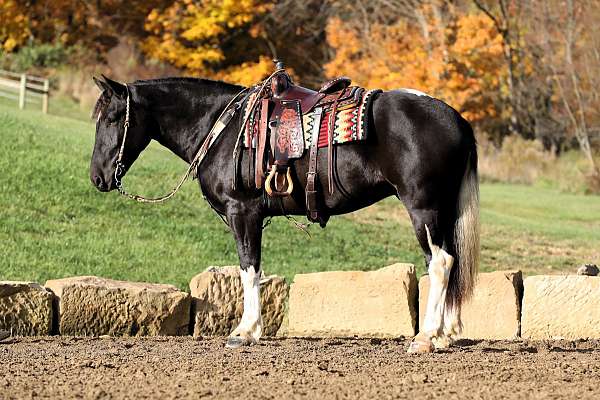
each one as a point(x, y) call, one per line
point(25, 89)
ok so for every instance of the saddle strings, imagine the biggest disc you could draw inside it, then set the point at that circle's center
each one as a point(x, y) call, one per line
point(245, 121)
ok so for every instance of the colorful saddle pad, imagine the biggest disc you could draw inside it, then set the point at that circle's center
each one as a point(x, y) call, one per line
point(351, 119)
point(351, 122)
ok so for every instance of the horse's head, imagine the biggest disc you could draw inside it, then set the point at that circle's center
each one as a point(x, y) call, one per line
point(110, 113)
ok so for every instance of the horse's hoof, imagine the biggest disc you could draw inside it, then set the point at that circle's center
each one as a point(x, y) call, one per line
point(420, 346)
point(4, 335)
point(442, 342)
point(235, 342)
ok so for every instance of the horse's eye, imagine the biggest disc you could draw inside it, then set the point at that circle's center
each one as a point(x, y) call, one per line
point(112, 118)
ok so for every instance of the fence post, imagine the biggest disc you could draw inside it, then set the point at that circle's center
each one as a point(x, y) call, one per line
point(45, 96)
point(22, 90)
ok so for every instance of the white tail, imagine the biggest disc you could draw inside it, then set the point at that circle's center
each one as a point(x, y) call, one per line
point(466, 238)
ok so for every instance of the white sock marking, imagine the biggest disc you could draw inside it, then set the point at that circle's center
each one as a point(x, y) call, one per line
point(452, 323)
point(251, 322)
point(439, 273)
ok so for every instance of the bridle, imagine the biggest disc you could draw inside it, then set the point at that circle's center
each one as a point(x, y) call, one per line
point(119, 166)
point(219, 126)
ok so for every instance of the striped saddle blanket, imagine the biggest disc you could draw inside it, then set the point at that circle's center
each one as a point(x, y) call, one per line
point(351, 120)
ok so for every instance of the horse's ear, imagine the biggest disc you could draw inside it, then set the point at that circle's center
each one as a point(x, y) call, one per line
point(117, 88)
point(100, 83)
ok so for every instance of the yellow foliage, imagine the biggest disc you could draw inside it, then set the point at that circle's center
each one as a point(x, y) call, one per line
point(188, 34)
point(247, 73)
point(14, 25)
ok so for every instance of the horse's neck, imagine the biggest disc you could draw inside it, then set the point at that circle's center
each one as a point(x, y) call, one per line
point(186, 116)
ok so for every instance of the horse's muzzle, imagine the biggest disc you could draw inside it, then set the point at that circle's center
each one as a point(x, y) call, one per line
point(101, 184)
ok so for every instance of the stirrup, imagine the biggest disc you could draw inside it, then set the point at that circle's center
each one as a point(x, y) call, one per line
point(274, 174)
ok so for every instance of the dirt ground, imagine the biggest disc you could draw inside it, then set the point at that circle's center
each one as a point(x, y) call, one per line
point(168, 368)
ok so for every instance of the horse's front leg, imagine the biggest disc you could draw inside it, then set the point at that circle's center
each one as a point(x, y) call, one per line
point(247, 230)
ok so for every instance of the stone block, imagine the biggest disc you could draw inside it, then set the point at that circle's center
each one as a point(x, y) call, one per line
point(378, 303)
point(493, 312)
point(92, 306)
point(25, 308)
point(561, 307)
point(218, 298)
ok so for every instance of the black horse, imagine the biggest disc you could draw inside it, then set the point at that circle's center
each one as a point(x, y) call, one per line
point(419, 149)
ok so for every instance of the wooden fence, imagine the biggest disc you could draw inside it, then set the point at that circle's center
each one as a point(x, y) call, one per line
point(25, 89)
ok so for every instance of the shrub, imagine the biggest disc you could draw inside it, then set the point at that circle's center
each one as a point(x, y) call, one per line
point(593, 183)
point(35, 56)
point(517, 161)
point(526, 162)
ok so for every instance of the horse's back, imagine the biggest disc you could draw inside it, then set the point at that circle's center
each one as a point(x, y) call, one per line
point(419, 120)
point(421, 141)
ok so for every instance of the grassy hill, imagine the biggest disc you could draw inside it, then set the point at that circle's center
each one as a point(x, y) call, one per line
point(53, 223)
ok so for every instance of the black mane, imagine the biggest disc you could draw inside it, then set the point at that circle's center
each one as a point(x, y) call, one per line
point(185, 79)
point(101, 104)
point(104, 98)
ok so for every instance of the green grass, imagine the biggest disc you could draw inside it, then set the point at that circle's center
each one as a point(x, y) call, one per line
point(59, 105)
point(54, 224)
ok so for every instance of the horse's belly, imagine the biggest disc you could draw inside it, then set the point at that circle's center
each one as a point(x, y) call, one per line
point(357, 183)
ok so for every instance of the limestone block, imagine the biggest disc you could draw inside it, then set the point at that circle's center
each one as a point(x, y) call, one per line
point(493, 312)
point(561, 306)
point(378, 303)
point(25, 308)
point(218, 301)
point(89, 305)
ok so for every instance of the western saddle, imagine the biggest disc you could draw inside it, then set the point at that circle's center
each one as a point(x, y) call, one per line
point(276, 116)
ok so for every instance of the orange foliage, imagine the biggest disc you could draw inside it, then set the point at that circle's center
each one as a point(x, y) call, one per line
point(460, 63)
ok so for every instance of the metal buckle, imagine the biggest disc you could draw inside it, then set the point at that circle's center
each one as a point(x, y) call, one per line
point(119, 169)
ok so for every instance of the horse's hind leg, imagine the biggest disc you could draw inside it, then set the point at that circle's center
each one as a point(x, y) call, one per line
point(430, 233)
point(247, 230)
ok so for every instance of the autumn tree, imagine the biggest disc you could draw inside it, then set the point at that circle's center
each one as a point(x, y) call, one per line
point(14, 25)
point(571, 40)
point(237, 40)
point(506, 17)
point(434, 48)
point(95, 25)
point(210, 38)
point(295, 32)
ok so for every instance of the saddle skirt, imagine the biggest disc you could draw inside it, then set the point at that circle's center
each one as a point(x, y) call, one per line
point(283, 121)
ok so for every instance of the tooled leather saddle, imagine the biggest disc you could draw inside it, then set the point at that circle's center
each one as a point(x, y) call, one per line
point(277, 128)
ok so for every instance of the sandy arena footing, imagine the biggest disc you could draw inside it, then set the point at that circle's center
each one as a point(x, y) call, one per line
point(168, 368)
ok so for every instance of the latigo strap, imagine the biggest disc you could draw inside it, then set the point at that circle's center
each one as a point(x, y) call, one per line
point(330, 129)
point(260, 146)
point(311, 190)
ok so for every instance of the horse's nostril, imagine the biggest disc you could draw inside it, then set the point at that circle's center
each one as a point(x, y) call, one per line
point(98, 182)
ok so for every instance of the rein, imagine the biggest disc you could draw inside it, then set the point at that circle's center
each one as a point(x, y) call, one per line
point(219, 126)
point(224, 118)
